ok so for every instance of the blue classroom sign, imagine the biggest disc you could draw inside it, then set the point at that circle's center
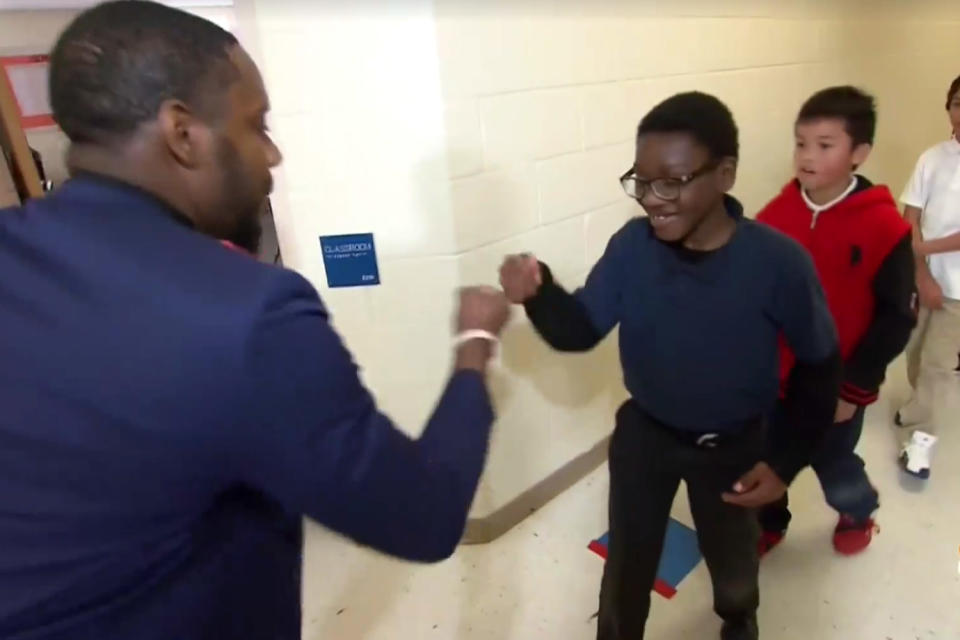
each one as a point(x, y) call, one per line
point(350, 261)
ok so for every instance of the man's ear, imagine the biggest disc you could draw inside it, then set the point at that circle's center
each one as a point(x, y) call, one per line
point(727, 173)
point(860, 154)
point(186, 136)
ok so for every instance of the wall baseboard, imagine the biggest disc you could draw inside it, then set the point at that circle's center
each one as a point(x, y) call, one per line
point(490, 527)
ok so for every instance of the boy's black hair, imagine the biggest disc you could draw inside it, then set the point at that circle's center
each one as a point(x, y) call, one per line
point(854, 106)
point(116, 63)
point(700, 115)
point(952, 92)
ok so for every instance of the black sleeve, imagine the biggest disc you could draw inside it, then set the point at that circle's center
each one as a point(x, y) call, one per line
point(893, 320)
point(810, 394)
point(560, 318)
point(807, 411)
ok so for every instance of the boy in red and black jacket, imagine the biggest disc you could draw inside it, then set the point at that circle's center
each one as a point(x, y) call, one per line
point(861, 247)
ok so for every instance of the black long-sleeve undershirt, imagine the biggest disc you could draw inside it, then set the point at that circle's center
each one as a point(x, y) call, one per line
point(560, 319)
point(893, 321)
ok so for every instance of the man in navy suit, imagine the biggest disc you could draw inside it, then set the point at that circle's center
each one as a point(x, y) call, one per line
point(169, 408)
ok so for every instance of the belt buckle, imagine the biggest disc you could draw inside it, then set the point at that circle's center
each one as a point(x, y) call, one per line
point(708, 440)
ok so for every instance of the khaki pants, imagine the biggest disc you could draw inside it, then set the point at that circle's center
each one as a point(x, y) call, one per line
point(931, 363)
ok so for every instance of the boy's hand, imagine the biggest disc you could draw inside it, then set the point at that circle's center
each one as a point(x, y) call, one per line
point(759, 486)
point(931, 295)
point(520, 277)
point(845, 411)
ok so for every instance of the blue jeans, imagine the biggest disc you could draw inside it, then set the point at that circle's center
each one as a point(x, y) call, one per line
point(845, 484)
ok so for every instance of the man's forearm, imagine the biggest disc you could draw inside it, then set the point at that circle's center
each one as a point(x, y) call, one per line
point(429, 484)
point(314, 439)
point(474, 355)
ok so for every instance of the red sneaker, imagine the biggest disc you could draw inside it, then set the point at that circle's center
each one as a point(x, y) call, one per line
point(768, 540)
point(852, 537)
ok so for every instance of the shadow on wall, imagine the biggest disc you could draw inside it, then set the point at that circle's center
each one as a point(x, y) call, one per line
point(558, 411)
point(565, 380)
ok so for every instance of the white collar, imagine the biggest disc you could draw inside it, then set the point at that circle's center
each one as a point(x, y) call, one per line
point(817, 208)
point(954, 144)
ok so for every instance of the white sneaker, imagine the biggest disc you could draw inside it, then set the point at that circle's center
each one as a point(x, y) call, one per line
point(915, 457)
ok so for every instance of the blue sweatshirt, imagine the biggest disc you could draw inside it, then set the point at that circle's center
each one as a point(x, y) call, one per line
point(699, 331)
point(170, 408)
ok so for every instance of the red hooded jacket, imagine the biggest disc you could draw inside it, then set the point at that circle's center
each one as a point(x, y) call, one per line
point(851, 243)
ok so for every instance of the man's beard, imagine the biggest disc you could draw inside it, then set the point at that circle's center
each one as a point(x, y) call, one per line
point(247, 229)
point(248, 233)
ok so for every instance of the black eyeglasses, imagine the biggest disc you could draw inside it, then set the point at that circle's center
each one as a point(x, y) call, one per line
point(664, 188)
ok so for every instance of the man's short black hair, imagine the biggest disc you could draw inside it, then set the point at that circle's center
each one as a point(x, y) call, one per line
point(952, 92)
point(700, 115)
point(855, 107)
point(116, 63)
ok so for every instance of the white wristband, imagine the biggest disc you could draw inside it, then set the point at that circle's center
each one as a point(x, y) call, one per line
point(475, 334)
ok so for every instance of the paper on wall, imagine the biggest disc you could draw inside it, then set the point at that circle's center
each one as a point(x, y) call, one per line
point(29, 83)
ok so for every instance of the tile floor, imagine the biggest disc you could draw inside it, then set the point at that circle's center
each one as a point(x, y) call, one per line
point(540, 581)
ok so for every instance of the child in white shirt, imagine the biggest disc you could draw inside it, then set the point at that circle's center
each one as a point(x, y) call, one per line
point(932, 202)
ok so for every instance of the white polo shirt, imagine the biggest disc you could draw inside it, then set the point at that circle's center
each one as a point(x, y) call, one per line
point(935, 190)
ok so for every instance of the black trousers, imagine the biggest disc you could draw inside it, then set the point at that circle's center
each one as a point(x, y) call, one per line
point(647, 461)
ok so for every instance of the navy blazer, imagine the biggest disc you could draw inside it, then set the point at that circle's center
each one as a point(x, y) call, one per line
point(168, 410)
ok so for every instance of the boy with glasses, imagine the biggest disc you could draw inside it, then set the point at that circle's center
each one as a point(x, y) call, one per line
point(701, 295)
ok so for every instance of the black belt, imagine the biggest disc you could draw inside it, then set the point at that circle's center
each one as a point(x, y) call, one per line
point(736, 432)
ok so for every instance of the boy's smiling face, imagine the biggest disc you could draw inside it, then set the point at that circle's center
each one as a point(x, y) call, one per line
point(824, 156)
point(674, 156)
